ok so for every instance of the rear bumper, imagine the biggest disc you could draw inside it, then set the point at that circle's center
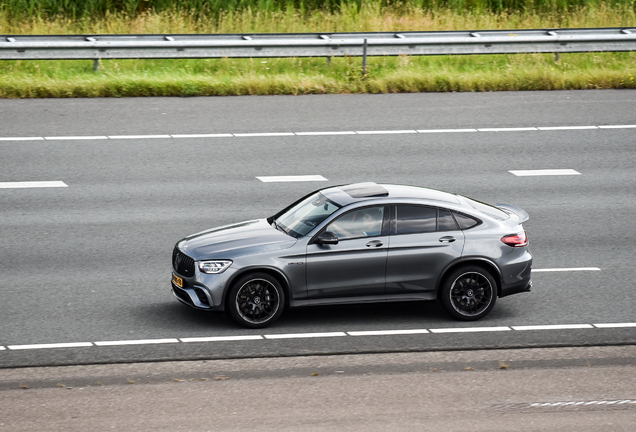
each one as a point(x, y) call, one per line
point(515, 289)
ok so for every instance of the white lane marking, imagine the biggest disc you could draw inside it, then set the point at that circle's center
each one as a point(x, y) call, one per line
point(21, 138)
point(136, 342)
point(544, 172)
point(470, 329)
point(554, 128)
point(304, 335)
point(446, 130)
point(325, 133)
point(319, 335)
point(222, 135)
point(566, 269)
point(54, 345)
point(60, 138)
point(554, 327)
point(264, 134)
point(138, 136)
point(221, 338)
point(301, 178)
point(380, 132)
point(275, 134)
point(33, 184)
point(615, 325)
point(579, 403)
point(386, 332)
point(508, 129)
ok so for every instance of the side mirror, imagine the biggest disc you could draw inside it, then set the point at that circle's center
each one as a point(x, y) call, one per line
point(327, 238)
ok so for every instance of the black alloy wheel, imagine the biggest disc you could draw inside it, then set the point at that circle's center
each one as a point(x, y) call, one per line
point(256, 300)
point(469, 293)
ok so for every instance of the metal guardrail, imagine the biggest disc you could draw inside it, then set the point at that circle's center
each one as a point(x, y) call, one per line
point(96, 47)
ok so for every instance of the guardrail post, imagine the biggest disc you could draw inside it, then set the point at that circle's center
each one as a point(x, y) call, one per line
point(95, 65)
point(364, 58)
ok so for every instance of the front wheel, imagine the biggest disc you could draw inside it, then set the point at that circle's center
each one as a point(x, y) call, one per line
point(469, 293)
point(256, 300)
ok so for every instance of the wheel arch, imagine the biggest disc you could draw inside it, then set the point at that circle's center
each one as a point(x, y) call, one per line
point(486, 264)
point(275, 273)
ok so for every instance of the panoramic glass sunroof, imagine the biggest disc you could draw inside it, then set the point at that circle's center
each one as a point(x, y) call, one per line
point(365, 190)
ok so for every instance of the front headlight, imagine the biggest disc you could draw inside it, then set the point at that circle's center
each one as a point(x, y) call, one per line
point(214, 267)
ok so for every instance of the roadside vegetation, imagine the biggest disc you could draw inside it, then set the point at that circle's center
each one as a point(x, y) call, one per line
point(19, 79)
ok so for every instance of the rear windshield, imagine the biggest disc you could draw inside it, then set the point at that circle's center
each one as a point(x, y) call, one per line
point(487, 209)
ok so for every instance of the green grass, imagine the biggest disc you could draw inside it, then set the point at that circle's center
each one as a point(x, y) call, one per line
point(117, 78)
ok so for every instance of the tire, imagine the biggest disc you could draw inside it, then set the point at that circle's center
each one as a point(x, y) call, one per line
point(469, 293)
point(256, 300)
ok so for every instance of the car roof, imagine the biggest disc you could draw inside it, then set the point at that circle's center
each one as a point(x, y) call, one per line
point(348, 194)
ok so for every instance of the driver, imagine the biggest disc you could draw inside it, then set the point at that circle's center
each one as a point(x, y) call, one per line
point(361, 223)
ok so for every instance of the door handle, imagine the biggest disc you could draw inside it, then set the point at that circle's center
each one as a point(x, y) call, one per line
point(374, 243)
point(447, 239)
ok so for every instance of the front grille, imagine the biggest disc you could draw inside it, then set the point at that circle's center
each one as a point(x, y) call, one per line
point(182, 264)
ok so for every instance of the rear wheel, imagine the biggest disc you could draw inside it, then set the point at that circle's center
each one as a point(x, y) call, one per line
point(469, 293)
point(256, 300)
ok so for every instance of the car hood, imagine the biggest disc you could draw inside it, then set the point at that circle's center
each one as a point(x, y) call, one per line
point(233, 240)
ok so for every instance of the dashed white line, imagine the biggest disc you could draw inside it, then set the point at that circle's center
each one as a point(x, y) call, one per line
point(319, 335)
point(304, 335)
point(544, 172)
point(137, 342)
point(574, 269)
point(553, 327)
point(33, 184)
point(387, 332)
point(470, 329)
point(54, 345)
point(301, 178)
point(615, 325)
point(319, 133)
point(221, 338)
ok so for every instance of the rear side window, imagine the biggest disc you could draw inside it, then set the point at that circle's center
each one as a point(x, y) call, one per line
point(464, 221)
point(416, 219)
point(446, 221)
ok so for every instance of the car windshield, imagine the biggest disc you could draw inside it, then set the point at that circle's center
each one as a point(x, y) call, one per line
point(307, 214)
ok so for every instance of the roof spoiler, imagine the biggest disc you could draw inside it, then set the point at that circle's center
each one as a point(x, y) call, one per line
point(516, 211)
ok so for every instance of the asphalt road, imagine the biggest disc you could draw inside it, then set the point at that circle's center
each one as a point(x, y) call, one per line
point(90, 263)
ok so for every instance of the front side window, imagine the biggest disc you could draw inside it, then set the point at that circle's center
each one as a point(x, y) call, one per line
point(307, 214)
point(365, 222)
point(415, 219)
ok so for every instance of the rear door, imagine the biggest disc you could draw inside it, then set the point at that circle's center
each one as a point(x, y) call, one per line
point(424, 240)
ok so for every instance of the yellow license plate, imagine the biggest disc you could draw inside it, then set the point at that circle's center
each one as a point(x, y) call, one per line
point(177, 280)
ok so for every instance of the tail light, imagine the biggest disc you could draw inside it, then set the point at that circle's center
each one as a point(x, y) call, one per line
point(516, 240)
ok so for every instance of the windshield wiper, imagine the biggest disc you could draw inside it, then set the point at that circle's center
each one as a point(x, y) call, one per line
point(278, 227)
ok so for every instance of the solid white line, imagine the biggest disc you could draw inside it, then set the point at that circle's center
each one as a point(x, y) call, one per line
point(386, 332)
point(618, 127)
point(55, 345)
point(304, 335)
point(325, 133)
point(305, 178)
point(551, 128)
point(138, 136)
point(136, 342)
point(221, 338)
point(507, 129)
point(386, 132)
point(34, 184)
point(264, 134)
point(226, 135)
point(567, 269)
point(2, 348)
point(554, 327)
point(544, 172)
point(446, 130)
point(470, 329)
point(615, 325)
point(22, 139)
point(60, 138)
